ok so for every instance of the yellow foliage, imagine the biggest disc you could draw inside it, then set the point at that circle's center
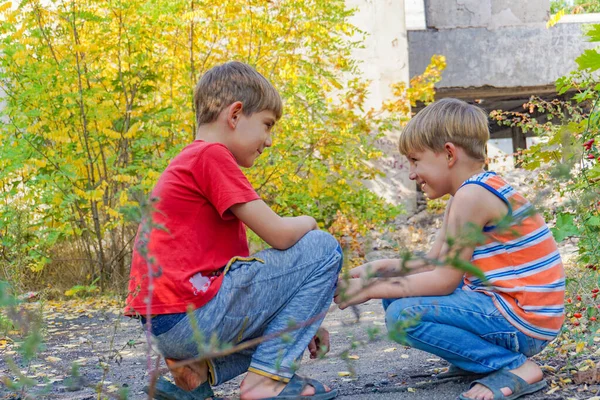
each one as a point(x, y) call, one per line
point(420, 89)
point(555, 18)
point(103, 102)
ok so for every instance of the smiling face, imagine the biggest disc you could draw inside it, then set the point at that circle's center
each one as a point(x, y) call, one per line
point(251, 136)
point(431, 172)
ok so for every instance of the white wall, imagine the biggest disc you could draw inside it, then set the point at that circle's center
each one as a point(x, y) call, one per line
point(384, 62)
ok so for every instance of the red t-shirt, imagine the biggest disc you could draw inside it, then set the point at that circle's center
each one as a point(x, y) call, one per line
point(195, 193)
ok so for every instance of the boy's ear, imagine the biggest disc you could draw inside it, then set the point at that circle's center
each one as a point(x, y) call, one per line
point(451, 153)
point(234, 112)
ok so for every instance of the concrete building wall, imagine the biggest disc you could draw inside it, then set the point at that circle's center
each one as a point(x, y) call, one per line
point(503, 57)
point(384, 61)
point(491, 14)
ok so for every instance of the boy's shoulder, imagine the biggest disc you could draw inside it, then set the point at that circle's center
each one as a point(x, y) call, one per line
point(201, 148)
point(203, 152)
point(482, 197)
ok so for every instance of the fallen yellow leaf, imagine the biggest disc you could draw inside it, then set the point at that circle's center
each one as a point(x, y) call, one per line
point(53, 359)
point(551, 391)
point(353, 357)
point(344, 373)
point(404, 356)
point(389, 350)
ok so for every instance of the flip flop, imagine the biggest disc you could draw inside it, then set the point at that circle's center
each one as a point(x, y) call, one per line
point(456, 372)
point(165, 390)
point(503, 378)
point(293, 390)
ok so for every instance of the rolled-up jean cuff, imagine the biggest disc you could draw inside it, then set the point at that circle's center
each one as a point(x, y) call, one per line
point(281, 374)
point(212, 373)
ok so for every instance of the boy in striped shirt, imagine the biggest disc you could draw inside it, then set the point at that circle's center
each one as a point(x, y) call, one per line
point(480, 327)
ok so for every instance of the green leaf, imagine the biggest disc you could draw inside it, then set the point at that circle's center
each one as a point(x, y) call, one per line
point(594, 33)
point(468, 267)
point(593, 221)
point(565, 227)
point(589, 60)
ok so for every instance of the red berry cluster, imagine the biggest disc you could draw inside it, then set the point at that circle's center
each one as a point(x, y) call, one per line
point(583, 309)
point(589, 147)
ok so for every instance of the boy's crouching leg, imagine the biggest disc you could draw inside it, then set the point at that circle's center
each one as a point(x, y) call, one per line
point(321, 245)
point(307, 276)
point(400, 317)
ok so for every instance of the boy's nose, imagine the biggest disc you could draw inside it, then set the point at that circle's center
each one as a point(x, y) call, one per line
point(268, 142)
point(412, 176)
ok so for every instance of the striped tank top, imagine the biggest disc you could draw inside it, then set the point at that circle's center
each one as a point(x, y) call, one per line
point(524, 271)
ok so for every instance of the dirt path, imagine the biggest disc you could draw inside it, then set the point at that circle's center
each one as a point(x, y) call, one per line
point(111, 350)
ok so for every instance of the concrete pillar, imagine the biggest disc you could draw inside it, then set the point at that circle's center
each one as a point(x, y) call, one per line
point(384, 60)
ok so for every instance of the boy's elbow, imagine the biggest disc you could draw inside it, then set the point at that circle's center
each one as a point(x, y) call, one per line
point(281, 244)
point(450, 286)
point(282, 237)
point(447, 290)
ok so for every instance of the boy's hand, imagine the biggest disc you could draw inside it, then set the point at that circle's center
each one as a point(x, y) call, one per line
point(352, 291)
point(362, 271)
point(319, 345)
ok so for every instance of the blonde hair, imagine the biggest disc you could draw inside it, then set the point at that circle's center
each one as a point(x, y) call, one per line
point(234, 81)
point(447, 120)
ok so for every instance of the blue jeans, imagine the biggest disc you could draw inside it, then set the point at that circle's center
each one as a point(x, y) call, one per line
point(260, 296)
point(464, 328)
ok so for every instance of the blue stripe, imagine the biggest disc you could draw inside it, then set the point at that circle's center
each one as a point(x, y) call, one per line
point(530, 239)
point(532, 328)
point(478, 251)
point(546, 310)
point(526, 207)
point(552, 286)
point(522, 270)
point(488, 250)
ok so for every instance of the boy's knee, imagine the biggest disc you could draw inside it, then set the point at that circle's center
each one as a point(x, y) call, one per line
point(386, 303)
point(398, 315)
point(320, 238)
point(320, 243)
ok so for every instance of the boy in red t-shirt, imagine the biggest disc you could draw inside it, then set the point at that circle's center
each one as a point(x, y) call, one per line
point(205, 202)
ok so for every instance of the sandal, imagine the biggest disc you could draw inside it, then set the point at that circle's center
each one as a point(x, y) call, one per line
point(503, 378)
point(293, 390)
point(165, 390)
point(456, 372)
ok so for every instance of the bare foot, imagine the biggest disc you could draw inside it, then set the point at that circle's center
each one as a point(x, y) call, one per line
point(188, 377)
point(256, 386)
point(529, 372)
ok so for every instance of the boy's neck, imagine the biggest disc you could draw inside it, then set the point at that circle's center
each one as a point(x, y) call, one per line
point(464, 171)
point(210, 133)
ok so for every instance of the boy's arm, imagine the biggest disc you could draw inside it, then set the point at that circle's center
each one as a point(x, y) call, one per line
point(440, 239)
point(473, 206)
point(394, 266)
point(279, 232)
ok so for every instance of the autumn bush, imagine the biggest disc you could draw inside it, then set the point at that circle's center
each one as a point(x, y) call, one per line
point(98, 99)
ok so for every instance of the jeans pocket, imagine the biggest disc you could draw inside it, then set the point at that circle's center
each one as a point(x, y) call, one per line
point(240, 271)
point(508, 340)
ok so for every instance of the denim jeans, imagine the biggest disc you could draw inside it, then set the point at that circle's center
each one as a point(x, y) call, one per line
point(464, 328)
point(260, 296)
